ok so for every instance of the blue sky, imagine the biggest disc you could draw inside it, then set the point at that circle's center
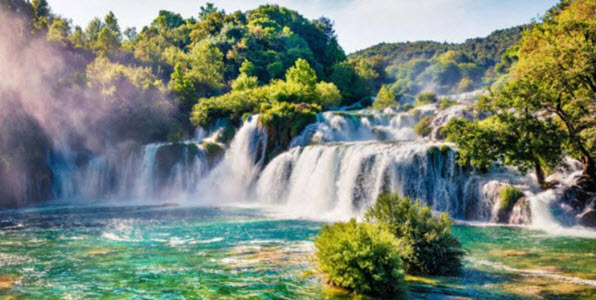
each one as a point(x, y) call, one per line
point(359, 23)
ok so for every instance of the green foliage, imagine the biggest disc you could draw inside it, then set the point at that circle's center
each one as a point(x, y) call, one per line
point(302, 73)
point(442, 67)
point(284, 121)
point(446, 103)
point(426, 241)
point(175, 137)
point(385, 98)
point(509, 195)
point(363, 258)
point(422, 128)
point(59, 31)
point(524, 141)
point(554, 77)
point(212, 149)
point(245, 82)
point(427, 97)
point(352, 85)
point(328, 94)
point(301, 87)
point(444, 148)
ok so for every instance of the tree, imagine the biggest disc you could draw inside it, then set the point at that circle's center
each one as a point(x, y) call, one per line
point(206, 67)
point(93, 29)
point(245, 82)
point(111, 23)
point(426, 98)
point(107, 41)
point(131, 34)
point(183, 87)
point(58, 31)
point(364, 258)
point(328, 94)
point(555, 77)
point(41, 13)
point(77, 38)
point(385, 98)
point(207, 10)
point(302, 73)
point(167, 20)
point(520, 140)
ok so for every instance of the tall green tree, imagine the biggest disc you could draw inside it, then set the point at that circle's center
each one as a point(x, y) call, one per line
point(385, 98)
point(555, 76)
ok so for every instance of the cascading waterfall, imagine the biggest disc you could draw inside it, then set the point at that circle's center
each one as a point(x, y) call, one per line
point(231, 180)
point(341, 180)
point(334, 170)
point(154, 170)
point(362, 126)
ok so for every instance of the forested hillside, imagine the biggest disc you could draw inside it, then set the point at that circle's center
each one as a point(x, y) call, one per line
point(445, 68)
point(87, 90)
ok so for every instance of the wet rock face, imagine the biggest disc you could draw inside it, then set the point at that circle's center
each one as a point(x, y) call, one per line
point(167, 157)
point(581, 198)
point(521, 213)
point(587, 218)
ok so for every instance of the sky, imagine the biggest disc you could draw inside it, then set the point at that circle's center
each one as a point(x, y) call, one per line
point(358, 23)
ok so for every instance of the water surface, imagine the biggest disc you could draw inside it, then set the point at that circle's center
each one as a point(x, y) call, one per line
point(153, 252)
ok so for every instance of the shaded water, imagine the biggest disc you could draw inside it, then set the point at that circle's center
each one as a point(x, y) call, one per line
point(232, 253)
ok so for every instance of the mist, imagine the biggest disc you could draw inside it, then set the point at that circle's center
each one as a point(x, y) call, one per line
point(55, 99)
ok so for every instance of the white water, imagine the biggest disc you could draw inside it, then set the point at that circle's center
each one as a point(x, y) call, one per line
point(354, 158)
point(134, 173)
point(232, 178)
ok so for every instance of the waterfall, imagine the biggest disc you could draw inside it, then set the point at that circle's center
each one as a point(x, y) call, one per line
point(547, 212)
point(361, 126)
point(342, 180)
point(231, 179)
point(335, 169)
point(151, 171)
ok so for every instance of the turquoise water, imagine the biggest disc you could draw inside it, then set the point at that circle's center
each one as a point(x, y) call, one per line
point(152, 252)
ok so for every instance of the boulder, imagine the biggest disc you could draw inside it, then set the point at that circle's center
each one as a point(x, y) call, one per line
point(587, 218)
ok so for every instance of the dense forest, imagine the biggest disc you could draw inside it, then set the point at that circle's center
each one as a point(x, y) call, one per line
point(444, 68)
point(123, 86)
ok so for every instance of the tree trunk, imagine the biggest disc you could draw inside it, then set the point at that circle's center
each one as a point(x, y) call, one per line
point(589, 166)
point(539, 174)
point(587, 159)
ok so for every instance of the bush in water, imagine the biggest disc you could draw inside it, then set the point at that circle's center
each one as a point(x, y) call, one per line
point(426, 241)
point(423, 127)
point(509, 196)
point(361, 257)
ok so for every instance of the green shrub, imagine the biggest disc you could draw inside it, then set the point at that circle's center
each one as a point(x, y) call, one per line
point(360, 257)
point(446, 103)
point(300, 87)
point(385, 98)
point(175, 137)
point(444, 149)
point(284, 121)
point(426, 241)
point(423, 127)
point(227, 134)
point(425, 98)
point(509, 196)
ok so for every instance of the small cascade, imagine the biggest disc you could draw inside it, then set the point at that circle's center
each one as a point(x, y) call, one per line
point(548, 213)
point(342, 180)
point(152, 171)
point(235, 174)
point(359, 126)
